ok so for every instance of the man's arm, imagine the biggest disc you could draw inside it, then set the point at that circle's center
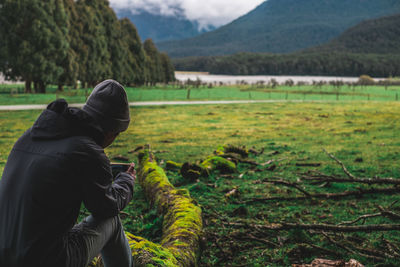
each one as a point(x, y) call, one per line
point(103, 197)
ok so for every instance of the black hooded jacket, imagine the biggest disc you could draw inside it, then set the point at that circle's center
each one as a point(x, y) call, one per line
point(54, 167)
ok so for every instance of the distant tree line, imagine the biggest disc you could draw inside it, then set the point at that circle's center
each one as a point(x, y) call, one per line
point(63, 41)
point(323, 63)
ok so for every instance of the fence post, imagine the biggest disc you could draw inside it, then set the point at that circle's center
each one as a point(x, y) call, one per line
point(337, 96)
point(188, 94)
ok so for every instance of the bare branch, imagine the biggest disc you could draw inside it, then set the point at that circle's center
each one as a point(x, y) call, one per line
point(360, 192)
point(320, 227)
point(329, 178)
point(362, 217)
point(288, 184)
point(340, 163)
point(339, 244)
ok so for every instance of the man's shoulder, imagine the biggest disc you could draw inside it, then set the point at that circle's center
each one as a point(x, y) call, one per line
point(85, 146)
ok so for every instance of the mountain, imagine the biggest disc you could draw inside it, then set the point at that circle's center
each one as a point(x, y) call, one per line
point(372, 47)
point(377, 36)
point(282, 26)
point(162, 28)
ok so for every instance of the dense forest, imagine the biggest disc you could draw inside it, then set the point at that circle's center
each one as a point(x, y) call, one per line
point(372, 48)
point(331, 64)
point(64, 41)
point(380, 36)
point(282, 26)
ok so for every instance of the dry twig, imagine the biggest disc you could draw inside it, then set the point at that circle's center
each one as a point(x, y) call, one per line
point(358, 193)
point(288, 184)
point(321, 177)
point(340, 163)
point(319, 227)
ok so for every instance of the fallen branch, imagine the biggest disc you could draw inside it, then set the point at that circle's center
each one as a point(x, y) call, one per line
point(327, 251)
point(320, 177)
point(339, 244)
point(311, 164)
point(250, 237)
point(383, 213)
point(288, 184)
point(340, 163)
point(362, 217)
point(320, 227)
point(357, 193)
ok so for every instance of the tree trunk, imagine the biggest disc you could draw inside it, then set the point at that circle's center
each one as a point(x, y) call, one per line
point(42, 87)
point(28, 86)
point(60, 88)
point(36, 87)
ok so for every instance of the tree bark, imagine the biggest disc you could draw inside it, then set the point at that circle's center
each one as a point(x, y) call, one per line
point(28, 86)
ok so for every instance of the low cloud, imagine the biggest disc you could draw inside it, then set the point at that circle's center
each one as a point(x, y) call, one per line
point(205, 12)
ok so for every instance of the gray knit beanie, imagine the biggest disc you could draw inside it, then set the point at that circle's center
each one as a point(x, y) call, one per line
point(108, 105)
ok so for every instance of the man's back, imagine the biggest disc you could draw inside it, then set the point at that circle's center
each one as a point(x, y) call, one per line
point(54, 167)
point(38, 201)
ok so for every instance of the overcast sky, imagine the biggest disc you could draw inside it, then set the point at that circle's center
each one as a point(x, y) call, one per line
point(206, 12)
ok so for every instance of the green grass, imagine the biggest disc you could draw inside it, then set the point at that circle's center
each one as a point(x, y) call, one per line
point(9, 95)
point(298, 132)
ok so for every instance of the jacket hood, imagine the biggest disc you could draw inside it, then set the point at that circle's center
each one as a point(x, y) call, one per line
point(60, 121)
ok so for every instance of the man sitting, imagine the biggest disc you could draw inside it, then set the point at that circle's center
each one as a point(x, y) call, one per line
point(54, 167)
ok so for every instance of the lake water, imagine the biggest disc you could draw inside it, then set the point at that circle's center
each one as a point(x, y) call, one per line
point(232, 79)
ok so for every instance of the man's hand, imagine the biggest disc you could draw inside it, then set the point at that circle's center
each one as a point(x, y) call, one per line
point(131, 170)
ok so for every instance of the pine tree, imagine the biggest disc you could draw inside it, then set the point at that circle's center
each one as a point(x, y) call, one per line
point(154, 62)
point(135, 72)
point(167, 68)
point(70, 63)
point(36, 40)
point(94, 55)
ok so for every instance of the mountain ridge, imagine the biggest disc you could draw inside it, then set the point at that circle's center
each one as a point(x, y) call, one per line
point(162, 28)
point(378, 36)
point(282, 26)
point(371, 47)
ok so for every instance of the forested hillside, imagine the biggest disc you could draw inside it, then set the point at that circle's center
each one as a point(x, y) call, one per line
point(281, 26)
point(63, 41)
point(162, 28)
point(381, 36)
point(328, 63)
point(372, 47)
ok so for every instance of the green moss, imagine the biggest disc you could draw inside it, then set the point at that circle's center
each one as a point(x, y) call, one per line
point(173, 166)
point(182, 224)
point(146, 253)
point(219, 163)
point(192, 171)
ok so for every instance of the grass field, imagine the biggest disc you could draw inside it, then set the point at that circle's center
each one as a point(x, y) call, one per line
point(363, 135)
point(12, 94)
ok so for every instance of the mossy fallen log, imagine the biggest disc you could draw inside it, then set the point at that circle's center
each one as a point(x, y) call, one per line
point(226, 149)
point(173, 166)
point(224, 160)
point(219, 163)
point(182, 224)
